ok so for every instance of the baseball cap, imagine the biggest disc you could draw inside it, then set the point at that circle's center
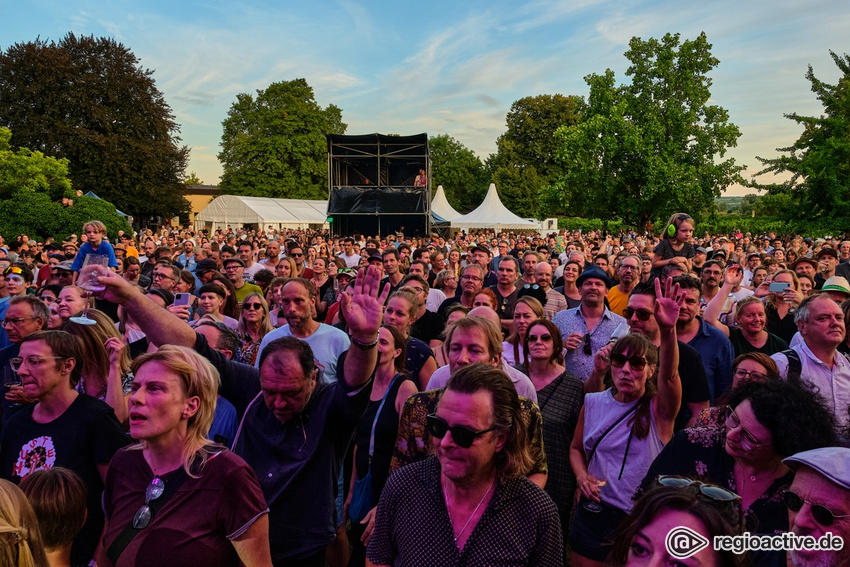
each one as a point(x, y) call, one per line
point(66, 266)
point(205, 265)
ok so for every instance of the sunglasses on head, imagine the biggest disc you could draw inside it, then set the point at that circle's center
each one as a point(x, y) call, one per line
point(463, 436)
point(635, 362)
point(642, 314)
point(708, 490)
point(821, 514)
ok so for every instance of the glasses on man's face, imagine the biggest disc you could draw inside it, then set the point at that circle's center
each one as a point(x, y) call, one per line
point(463, 436)
point(642, 314)
point(144, 514)
point(14, 320)
point(471, 278)
point(742, 374)
point(160, 275)
point(296, 254)
point(33, 362)
point(748, 440)
point(821, 514)
point(253, 306)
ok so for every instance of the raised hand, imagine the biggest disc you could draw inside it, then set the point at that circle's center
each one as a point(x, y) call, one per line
point(364, 307)
point(667, 303)
point(734, 275)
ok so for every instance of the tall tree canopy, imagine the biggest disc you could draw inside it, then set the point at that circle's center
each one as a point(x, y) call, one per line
point(649, 148)
point(274, 145)
point(36, 197)
point(819, 161)
point(525, 160)
point(87, 99)
point(459, 171)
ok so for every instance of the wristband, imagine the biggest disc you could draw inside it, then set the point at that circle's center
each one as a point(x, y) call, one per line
point(364, 346)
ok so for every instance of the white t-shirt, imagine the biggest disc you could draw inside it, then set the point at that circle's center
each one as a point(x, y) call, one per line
point(327, 344)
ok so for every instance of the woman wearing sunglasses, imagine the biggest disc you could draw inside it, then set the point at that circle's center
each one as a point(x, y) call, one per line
point(675, 501)
point(560, 397)
point(765, 421)
point(254, 324)
point(174, 498)
point(621, 430)
point(375, 438)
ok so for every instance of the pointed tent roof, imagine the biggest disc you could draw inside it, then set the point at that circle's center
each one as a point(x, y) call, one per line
point(440, 205)
point(494, 215)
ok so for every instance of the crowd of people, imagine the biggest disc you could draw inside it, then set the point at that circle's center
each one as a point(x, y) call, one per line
point(250, 396)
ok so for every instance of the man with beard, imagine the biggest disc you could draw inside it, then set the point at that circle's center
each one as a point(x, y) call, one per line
point(628, 273)
point(590, 326)
point(711, 277)
point(712, 345)
point(555, 301)
point(506, 290)
point(815, 359)
point(819, 503)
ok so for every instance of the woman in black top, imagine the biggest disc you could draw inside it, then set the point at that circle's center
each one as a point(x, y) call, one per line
point(391, 387)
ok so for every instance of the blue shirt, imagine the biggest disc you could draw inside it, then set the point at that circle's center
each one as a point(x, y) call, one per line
point(717, 357)
point(572, 321)
point(105, 249)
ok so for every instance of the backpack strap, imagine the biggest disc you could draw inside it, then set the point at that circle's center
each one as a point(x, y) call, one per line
point(795, 365)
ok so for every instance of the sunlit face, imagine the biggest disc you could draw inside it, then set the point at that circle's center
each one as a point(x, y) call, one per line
point(711, 275)
point(469, 346)
point(529, 262)
point(805, 286)
point(540, 347)
point(398, 314)
point(93, 235)
point(211, 303)
point(592, 290)
point(758, 438)
point(70, 302)
point(43, 376)
point(816, 490)
point(19, 322)
point(387, 351)
point(283, 269)
point(825, 324)
point(523, 317)
point(543, 275)
point(571, 273)
point(252, 309)
point(748, 369)
point(752, 318)
point(648, 546)
point(685, 231)
point(159, 407)
point(630, 381)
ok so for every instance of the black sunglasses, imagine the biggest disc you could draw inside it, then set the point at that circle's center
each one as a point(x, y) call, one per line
point(643, 314)
point(463, 436)
point(637, 363)
point(256, 306)
point(544, 337)
point(144, 514)
point(710, 491)
point(821, 514)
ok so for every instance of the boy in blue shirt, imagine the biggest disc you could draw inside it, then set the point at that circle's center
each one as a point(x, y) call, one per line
point(95, 232)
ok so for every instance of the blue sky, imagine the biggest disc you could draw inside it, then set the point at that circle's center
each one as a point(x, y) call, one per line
point(448, 67)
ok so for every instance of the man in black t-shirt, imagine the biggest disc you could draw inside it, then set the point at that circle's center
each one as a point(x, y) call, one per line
point(62, 429)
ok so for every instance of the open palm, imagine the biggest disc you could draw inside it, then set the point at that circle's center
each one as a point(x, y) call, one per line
point(364, 307)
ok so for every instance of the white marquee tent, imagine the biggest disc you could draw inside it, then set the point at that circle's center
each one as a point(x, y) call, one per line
point(262, 211)
point(494, 215)
point(440, 205)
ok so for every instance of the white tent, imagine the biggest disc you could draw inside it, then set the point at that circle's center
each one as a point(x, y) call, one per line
point(440, 206)
point(494, 215)
point(262, 211)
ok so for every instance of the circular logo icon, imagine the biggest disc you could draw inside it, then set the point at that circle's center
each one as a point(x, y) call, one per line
point(683, 542)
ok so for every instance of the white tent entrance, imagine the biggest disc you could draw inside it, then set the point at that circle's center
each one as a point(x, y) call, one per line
point(492, 214)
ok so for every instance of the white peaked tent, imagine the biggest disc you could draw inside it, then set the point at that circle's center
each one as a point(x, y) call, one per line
point(262, 211)
point(494, 215)
point(440, 206)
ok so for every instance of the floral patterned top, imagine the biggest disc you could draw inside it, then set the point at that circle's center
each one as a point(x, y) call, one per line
point(700, 453)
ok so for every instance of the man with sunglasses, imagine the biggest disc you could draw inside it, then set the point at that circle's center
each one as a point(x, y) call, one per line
point(819, 502)
point(478, 475)
point(62, 429)
point(234, 270)
point(640, 314)
point(590, 326)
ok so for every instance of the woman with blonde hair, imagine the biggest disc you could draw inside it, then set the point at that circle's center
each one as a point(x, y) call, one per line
point(526, 311)
point(20, 538)
point(186, 501)
point(106, 363)
point(254, 324)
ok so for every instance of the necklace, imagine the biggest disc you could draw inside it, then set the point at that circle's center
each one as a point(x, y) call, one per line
point(466, 525)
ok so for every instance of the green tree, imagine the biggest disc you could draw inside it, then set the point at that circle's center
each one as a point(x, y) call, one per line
point(649, 148)
point(32, 187)
point(274, 144)
point(459, 171)
point(819, 161)
point(87, 100)
point(525, 160)
point(193, 179)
